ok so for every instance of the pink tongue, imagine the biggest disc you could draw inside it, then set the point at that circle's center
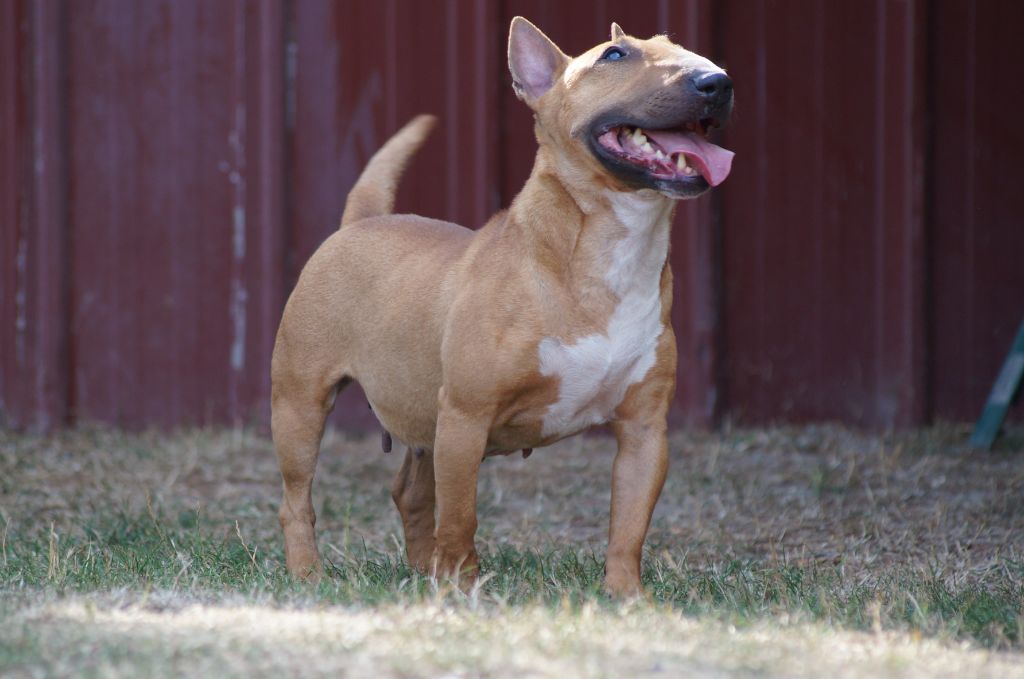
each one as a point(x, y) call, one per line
point(713, 162)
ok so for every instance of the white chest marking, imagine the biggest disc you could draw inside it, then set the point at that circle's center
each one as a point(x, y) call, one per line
point(596, 370)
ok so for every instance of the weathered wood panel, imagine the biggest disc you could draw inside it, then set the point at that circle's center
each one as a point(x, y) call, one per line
point(175, 154)
point(977, 205)
point(34, 344)
point(166, 167)
point(822, 219)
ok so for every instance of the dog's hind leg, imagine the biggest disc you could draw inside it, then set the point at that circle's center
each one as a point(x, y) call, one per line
point(299, 411)
point(413, 493)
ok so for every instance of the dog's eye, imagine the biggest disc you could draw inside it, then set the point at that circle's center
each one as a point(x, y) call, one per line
point(613, 53)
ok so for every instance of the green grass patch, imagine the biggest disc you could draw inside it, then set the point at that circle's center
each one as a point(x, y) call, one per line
point(207, 561)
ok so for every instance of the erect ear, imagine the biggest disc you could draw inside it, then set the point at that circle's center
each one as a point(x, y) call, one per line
point(617, 32)
point(535, 61)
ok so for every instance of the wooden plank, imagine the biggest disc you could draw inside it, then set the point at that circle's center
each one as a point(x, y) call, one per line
point(263, 268)
point(822, 229)
point(152, 217)
point(1004, 390)
point(977, 237)
point(900, 382)
point(33, 211)
point(12, 342)
point(177, 125)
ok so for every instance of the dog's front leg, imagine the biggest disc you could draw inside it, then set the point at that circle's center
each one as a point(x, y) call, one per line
point(637, 477)
point(458, 450)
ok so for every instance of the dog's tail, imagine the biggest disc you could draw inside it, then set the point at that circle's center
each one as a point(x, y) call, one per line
point(374, 192)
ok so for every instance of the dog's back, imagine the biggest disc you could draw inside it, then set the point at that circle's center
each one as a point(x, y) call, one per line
point(334, 321)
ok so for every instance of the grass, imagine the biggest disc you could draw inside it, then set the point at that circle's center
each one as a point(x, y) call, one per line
point(203, 560)
point(773, 552)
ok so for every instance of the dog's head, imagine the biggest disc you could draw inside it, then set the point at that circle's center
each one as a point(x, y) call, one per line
point(636, 110)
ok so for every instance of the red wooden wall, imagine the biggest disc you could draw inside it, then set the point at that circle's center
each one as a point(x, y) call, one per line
point(823, 226)
point(975, 199)
point(166, 166)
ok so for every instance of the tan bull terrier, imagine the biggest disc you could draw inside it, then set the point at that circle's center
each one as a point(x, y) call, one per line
point(552, 318)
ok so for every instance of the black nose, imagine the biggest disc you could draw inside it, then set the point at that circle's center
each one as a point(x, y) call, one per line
point(715, 87)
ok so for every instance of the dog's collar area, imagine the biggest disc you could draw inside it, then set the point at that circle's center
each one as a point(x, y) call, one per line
point(673, 155)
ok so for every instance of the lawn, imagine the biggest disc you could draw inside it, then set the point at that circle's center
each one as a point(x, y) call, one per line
point(780, 552)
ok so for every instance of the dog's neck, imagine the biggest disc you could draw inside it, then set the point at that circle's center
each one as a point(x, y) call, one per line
point(597, 240)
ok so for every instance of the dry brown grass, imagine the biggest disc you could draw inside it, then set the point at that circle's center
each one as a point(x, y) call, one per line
point(813, 494)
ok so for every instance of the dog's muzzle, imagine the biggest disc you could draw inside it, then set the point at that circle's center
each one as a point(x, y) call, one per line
point(715, 88)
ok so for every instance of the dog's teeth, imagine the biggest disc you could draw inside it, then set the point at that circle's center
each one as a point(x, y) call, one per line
point(638, 137)
point(681, 162)
point(646, 146)
point(659, 155)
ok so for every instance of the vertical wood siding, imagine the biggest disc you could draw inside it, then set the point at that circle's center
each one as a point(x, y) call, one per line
point(167, 166)
point(822, 220)
point(975, 200)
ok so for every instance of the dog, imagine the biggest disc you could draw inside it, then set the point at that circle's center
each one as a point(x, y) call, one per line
point(550, 319)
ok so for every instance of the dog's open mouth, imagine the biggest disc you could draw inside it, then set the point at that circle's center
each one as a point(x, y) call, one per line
point(680, 155)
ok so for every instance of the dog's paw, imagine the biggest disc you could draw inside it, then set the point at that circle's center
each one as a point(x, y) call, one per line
point(459, 567)
point(306, 568)
point(624, 586)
